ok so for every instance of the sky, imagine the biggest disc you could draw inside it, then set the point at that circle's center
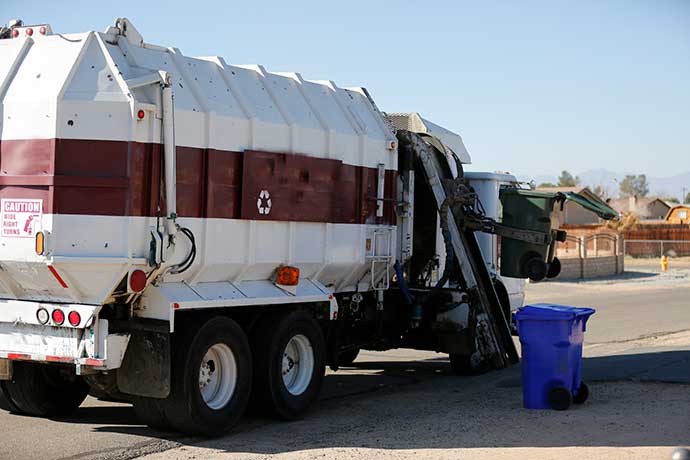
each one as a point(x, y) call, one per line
point(533, 87)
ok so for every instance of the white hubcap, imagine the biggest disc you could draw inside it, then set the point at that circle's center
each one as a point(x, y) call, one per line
point(218, 376)
point(298, 365)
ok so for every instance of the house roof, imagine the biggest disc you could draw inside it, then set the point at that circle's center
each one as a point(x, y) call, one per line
point(641, 202)
point(678, 206)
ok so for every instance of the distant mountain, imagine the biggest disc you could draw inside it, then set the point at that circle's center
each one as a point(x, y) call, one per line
point(671, 186)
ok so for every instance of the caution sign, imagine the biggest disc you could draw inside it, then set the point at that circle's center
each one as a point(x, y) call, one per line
point(21, 218)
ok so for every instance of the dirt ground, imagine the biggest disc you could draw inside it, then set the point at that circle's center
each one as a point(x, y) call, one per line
point(633, 413)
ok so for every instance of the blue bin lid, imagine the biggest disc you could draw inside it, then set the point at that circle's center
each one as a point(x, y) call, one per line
point(551, 312)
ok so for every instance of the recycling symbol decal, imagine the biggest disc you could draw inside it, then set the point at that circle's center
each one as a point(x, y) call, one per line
point(263, 203)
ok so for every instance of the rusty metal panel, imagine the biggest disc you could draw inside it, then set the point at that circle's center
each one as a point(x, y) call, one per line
point(277, 186)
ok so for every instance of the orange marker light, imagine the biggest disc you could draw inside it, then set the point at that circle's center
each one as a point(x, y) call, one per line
point(288, 276)
point(40, 243)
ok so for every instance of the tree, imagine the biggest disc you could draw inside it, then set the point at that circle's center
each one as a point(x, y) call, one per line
point(546, 184)
point(634, 185)
point(671, 199)
point(686, 200)
point(567, 180)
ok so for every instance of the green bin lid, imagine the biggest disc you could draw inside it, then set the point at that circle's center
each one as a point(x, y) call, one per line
point(601, 209)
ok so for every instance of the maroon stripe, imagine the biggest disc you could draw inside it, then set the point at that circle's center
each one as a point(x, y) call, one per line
point(123, 179)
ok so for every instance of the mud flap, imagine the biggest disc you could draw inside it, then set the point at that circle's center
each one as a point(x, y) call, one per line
point(145, 369)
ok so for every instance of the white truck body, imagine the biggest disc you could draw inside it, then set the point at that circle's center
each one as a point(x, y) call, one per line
point(174, 230)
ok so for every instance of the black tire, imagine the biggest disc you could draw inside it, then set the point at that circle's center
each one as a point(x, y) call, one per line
point(45, 390)
point(554, 268)
point(560, 398)
point(149, 411)
point(346, 358)
point(104, 387)
point(461, 364)
point(535, 268)
point(269, 340)
point(185, 409)
point(5, 402)
point(582, 394)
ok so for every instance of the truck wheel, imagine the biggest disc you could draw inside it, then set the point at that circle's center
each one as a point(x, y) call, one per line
point(289, 364)
point(348, 357)
point(5, 402)
point(45, 390)
point(461, 364)
point(149, 411)
point(211, 379)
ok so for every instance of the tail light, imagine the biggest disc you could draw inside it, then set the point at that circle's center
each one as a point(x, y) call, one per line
point(29, 31)
point(58, 317)
point(74, 318)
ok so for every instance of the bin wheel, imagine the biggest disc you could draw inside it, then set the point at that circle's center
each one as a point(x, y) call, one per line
point(582, 394)
point(535, 268)
point(554, 268)
point(560, 398)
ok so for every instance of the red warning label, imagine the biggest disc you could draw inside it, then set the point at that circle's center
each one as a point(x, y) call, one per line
point(21, 218)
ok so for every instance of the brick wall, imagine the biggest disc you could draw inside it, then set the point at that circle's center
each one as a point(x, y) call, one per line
point(592, 267)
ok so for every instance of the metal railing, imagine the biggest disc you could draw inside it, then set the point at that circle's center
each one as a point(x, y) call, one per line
point(595, 245)
point(657, 248)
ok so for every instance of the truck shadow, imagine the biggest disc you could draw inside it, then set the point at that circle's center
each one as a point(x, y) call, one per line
point(421, 405)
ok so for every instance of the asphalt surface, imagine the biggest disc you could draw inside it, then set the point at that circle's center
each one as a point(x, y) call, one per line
point(630, 316)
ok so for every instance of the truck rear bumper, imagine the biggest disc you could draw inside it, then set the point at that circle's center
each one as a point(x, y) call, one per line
point(88, 345)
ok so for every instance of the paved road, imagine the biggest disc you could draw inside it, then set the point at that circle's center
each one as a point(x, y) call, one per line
point(624, 312)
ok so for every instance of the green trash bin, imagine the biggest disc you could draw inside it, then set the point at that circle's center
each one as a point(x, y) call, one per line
point(534, 210)
point(528, 210)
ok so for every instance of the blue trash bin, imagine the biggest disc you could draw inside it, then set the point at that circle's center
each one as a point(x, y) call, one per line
point(551, 337)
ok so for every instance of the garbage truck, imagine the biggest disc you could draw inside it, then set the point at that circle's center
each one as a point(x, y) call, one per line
point(196, 237)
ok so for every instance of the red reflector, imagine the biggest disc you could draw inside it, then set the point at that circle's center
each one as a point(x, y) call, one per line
point(137, 280)
point(288, 276)
point(58, 317)
point(59, 359)
point(18, 356)
point(74, 318)
point(42, 30)
point(29, 31)
point(15, 33)
point(95, 362)
point(57, 276)
point(141, 114)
